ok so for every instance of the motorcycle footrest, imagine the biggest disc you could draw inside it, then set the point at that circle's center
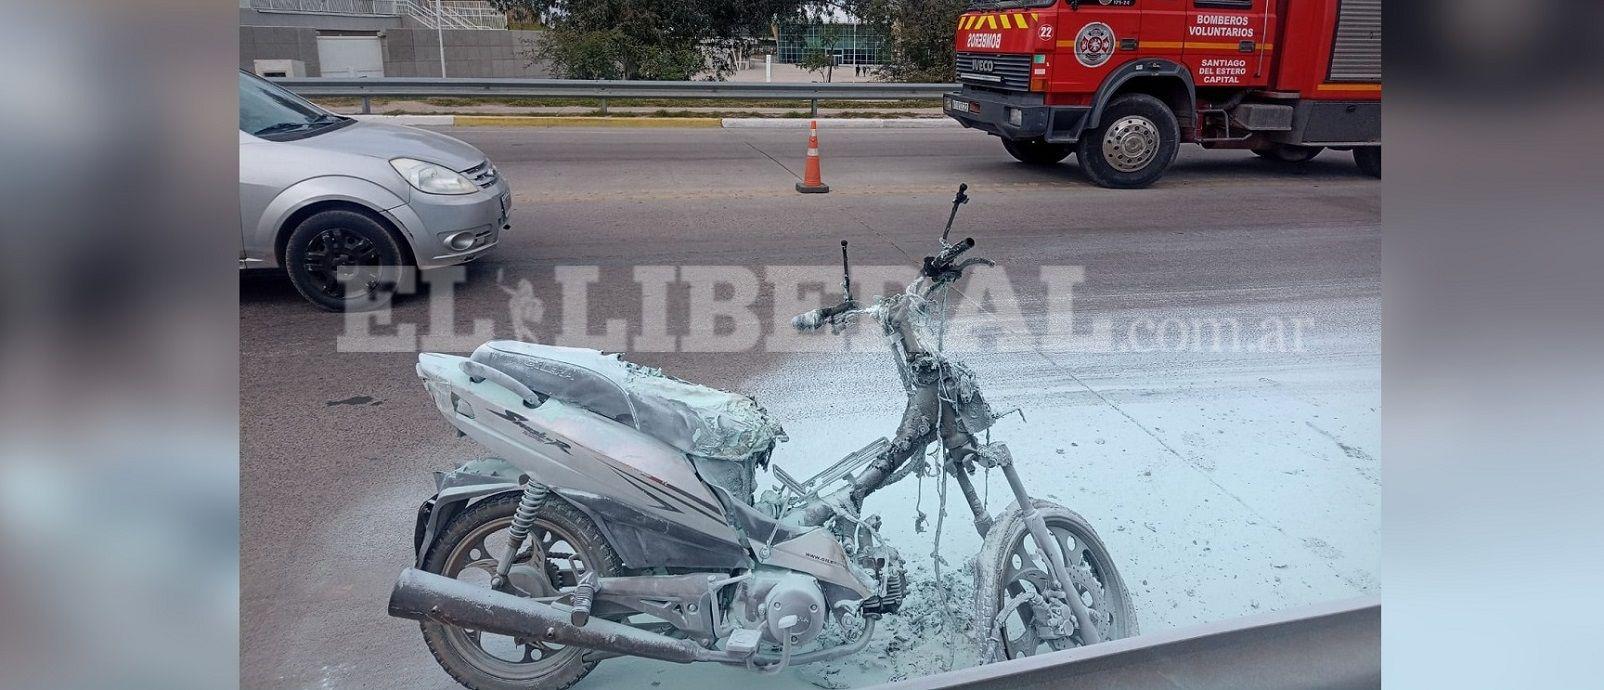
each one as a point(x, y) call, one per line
point(583, 595)
point(743, 642)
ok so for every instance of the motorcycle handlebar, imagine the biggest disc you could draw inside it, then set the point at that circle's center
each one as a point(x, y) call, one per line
point(952, 251)
point(811, 320)
point(936, 266)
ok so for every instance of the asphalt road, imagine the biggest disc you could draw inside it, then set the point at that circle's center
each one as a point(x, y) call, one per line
point(337, 446)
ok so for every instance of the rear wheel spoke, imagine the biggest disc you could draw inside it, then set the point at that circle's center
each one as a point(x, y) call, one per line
point(478, 553)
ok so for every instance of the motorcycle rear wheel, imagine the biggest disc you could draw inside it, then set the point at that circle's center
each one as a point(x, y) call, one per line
point(1009, 565)
point(468, 550)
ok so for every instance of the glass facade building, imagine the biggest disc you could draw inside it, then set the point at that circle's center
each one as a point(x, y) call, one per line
point(855, 44)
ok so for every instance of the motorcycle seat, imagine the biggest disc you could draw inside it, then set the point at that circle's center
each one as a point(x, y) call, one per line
point(693, 418)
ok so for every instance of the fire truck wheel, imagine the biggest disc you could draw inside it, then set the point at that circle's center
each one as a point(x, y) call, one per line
point(1369, 160)
point(1037, 152)
point(1135, 142)
point(1289, 153)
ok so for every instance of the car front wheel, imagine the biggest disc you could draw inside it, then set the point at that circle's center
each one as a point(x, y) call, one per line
point(1136, 140)
point(343, 260)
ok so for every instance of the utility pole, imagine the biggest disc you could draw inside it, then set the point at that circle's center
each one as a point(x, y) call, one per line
point(440, 36)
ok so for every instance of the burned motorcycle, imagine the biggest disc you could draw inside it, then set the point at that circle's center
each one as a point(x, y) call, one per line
point(619, 515)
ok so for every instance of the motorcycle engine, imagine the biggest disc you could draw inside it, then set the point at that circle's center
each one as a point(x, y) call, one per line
point(880, 561)
point(892, 575)
point(785, 605)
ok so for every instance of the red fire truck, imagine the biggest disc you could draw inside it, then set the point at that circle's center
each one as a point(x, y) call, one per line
point(1122, 83)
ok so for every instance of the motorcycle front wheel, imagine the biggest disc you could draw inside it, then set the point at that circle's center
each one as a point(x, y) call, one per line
point(1010, 568)
point(568, 545)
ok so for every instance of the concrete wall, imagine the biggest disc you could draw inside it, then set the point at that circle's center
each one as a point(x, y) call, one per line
point(408, 52)
point(278, 43)
point(481, 54)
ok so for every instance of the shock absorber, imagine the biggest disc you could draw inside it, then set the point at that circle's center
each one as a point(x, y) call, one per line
point(523, 520)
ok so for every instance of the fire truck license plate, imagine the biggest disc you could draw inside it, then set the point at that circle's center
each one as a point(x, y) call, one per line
point(965, 106)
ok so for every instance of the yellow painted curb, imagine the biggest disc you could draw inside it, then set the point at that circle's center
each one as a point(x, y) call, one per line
point(529, 121)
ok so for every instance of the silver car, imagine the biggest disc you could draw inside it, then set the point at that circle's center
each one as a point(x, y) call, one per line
point(344, 206)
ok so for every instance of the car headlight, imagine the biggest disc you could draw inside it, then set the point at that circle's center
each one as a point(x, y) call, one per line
point(433, 178)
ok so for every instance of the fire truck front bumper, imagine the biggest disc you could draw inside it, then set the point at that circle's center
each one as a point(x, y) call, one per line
point(1015, 116)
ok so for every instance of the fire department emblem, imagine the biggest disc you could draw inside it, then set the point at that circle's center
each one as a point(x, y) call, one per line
point(1094, 45)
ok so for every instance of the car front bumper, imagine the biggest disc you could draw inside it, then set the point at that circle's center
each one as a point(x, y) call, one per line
point(1015, 116)
point(431, 221)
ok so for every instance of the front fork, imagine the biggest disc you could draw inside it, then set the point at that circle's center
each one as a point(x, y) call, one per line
point(1037, 526)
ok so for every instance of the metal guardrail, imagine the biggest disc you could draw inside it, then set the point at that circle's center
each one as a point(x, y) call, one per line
point(1336, 645)
point(394, 87)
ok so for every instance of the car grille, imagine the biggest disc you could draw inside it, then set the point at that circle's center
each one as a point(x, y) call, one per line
point(1011, 72)
point(483, 174)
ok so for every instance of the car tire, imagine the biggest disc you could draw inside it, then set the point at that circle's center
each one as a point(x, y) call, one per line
point(1368, 158)
point(1289, 153)
point(341, 242)
point(1134, 143)
point(1036, 152)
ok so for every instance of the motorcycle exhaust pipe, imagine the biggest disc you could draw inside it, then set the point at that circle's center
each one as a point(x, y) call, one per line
point(424, 596)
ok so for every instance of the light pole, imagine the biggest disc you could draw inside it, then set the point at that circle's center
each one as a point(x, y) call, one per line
point(440, 36)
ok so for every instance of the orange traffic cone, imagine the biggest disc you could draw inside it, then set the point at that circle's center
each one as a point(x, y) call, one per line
point(811, 182)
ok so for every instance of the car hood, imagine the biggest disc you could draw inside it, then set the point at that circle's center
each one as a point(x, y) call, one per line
point(393, 141)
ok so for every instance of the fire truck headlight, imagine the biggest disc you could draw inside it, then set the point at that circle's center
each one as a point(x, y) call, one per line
point(1016, 117)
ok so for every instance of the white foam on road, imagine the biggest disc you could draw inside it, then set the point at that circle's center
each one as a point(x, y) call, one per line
point(1224, 488)
point(1223, 485)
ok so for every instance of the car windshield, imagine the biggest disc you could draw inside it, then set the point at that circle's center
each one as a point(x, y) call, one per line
point(269, 111)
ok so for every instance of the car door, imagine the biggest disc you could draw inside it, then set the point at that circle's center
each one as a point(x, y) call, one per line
point(1228, 42)
point(1092, 40)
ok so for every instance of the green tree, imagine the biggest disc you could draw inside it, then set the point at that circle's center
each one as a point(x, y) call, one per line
point(648, 39)
point(818, 51)
point(919, 33)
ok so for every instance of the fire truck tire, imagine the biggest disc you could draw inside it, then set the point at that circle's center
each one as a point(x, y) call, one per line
point(1037, 152)
point(1134, 142)
point(1368, 158)
point(1289, 153)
